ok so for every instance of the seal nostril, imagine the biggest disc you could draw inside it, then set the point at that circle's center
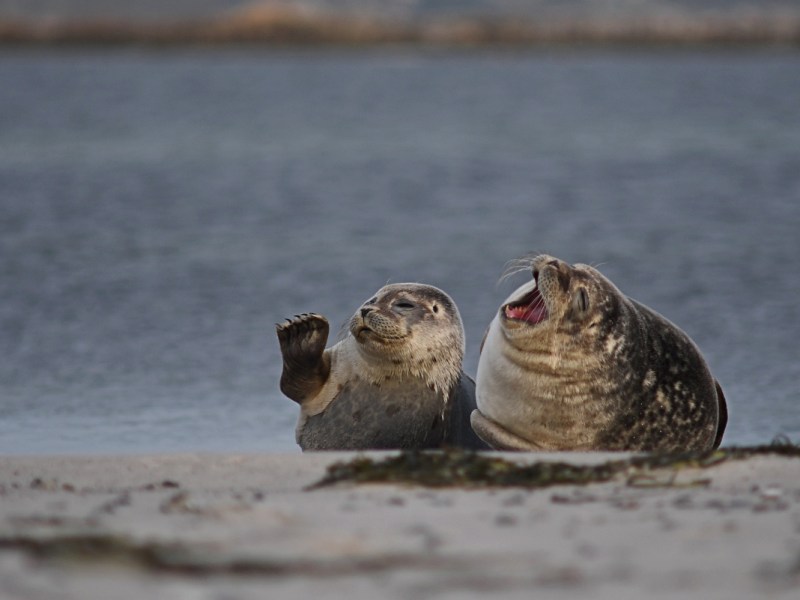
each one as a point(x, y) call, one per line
point(553, 263)
point(365, 312)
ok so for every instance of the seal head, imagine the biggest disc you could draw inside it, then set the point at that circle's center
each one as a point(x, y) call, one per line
point(410, 330)
point(394, 381)
point(570, 363)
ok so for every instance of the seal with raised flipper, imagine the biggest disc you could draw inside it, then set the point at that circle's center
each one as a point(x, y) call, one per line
point(394, 381)
point(571, 363)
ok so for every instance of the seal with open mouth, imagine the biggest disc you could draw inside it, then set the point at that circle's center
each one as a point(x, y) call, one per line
point(395, 380)
point(571, 363)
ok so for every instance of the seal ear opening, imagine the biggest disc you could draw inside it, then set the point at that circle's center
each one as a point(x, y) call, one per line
point(722, 420)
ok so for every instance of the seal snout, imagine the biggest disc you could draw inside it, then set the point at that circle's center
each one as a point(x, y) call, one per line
point(358, 324)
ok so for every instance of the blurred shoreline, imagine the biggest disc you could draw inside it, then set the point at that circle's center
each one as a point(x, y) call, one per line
point(288, 27)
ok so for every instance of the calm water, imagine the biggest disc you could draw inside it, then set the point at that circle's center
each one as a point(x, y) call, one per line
point(160, 212)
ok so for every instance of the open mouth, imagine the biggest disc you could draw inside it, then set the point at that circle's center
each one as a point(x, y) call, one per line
point(530, 308)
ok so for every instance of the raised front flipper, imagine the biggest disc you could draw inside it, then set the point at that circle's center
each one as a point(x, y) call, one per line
point(306, 365)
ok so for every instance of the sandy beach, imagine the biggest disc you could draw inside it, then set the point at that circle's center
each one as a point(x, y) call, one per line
point(247, 526)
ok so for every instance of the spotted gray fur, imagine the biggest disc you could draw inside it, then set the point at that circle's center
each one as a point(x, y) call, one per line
point(600, 372)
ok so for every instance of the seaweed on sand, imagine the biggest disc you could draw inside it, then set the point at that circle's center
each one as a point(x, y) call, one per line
point(458, 468)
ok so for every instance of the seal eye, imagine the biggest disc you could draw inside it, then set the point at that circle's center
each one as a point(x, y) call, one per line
point(581, 300)
point(404, 305)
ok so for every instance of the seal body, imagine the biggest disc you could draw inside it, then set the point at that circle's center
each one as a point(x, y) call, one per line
point(571, 363)
point(394, 381)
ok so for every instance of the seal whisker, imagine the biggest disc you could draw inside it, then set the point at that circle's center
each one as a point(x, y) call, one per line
point(344, 331)
point(517, 265)
point(536, 303)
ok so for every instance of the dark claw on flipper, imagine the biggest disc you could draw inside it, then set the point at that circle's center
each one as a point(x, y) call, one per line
point(305, 368)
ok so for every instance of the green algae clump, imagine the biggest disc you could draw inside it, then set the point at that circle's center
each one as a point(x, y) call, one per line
point(459, 468)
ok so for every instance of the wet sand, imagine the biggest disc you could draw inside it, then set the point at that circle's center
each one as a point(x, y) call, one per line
point(246, 526)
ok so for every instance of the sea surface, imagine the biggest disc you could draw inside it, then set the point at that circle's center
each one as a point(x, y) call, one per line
point(161, 211)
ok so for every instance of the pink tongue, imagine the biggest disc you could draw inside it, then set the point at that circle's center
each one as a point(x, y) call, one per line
point(531, 314)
